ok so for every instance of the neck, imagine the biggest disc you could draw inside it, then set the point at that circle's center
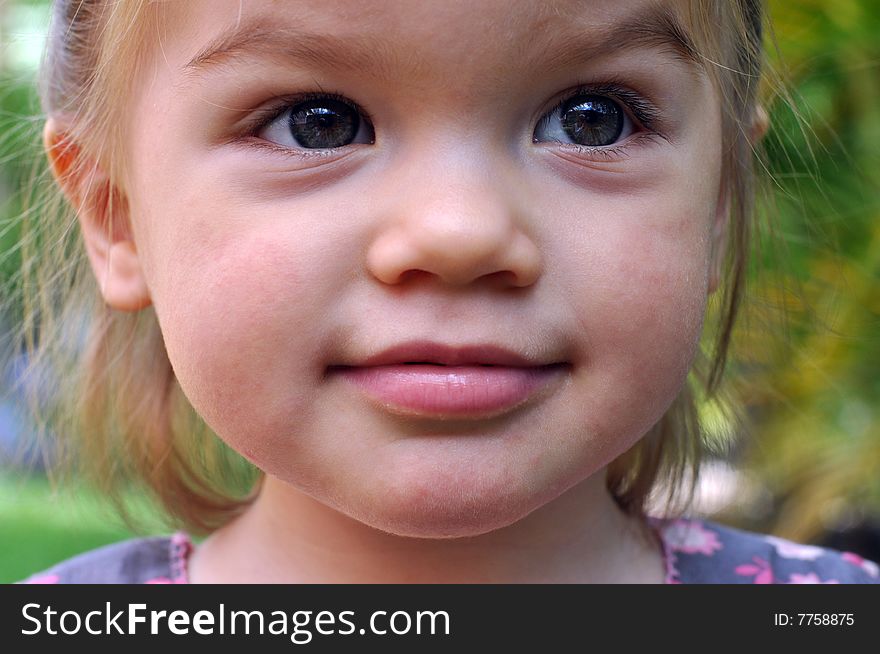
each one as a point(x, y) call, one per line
point(288, 537)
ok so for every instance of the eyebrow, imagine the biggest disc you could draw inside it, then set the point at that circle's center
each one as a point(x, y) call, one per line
point(657, 28)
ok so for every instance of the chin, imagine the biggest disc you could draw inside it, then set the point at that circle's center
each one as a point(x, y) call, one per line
point(443, 511)
point(443, 523)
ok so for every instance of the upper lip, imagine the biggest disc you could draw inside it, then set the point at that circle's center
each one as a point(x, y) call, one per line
point(450, 355)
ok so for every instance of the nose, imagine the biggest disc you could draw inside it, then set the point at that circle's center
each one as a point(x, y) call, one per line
point(458, 227)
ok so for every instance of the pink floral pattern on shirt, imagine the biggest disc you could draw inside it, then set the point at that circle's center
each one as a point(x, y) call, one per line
point(694, 551)
point(691, 537)
point(758, 569)
point(699, 551)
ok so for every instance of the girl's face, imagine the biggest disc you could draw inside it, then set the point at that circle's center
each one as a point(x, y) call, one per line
point(543, 177)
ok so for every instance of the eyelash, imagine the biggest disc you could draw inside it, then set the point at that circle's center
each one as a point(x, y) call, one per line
point(646, 114)
point(264, 117)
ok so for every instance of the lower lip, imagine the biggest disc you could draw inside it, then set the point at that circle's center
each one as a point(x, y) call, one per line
point(451, 391)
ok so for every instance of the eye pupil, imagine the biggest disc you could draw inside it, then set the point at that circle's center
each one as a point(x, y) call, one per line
point(324, 123)
point(592, 120)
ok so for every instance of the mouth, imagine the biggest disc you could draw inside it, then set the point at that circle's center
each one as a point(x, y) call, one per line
point(436, 381)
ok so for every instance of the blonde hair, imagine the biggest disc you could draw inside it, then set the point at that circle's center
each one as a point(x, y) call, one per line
point(116, 401)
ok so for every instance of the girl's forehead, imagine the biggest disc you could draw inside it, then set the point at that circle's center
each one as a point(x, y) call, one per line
point(377, 33)
point(429, 15)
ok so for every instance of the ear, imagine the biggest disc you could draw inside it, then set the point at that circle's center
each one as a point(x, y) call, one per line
point(102, 212)
point(719, 236)
point(760, 124)
point(758, 127)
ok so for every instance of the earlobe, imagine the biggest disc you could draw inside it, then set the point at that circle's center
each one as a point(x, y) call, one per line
point(760, 124)
point(102, 212)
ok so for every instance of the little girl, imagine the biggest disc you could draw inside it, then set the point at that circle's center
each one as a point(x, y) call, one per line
point(438, 270)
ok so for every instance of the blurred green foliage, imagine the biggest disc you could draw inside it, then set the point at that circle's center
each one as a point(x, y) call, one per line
point(20, 22)
point(809, 375)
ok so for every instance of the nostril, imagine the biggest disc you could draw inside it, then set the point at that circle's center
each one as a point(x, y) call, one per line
point(411, 274)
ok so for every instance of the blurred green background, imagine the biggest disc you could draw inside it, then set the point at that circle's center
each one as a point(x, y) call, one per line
point(806, 465)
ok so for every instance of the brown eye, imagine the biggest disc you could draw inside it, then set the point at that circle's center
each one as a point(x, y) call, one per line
point(592, 120)
point(319, 123)
point(323, 124)
point(584, 119)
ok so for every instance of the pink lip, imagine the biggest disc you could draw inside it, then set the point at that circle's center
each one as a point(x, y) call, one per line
point(423, 378)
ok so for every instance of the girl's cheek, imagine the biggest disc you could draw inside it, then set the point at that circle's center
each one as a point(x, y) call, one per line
point(642, 287)
point(240, 322)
